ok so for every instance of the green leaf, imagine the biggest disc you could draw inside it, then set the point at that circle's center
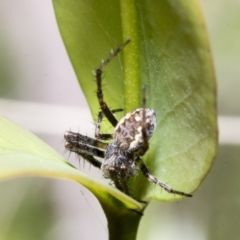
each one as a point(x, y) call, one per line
point(23, 154)
point(169, 52)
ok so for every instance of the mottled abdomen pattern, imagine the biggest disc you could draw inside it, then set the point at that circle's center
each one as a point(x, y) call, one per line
point(128, 132)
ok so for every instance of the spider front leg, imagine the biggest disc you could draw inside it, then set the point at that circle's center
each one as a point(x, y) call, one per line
point(86, 152)
point(103, 136)
point(98, 73)
point(77, 137)
point(85, 147)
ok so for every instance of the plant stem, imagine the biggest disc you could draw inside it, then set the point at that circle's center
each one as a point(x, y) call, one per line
point(122, 223)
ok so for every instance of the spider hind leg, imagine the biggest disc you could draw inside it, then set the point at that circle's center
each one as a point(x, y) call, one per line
point(154, 180)
point(144, 149)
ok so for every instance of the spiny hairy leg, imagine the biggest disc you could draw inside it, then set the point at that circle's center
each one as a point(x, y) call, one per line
point(154, 180)
point(98, 73)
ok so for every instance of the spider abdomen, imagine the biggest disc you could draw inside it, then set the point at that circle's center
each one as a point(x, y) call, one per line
point(128, 132)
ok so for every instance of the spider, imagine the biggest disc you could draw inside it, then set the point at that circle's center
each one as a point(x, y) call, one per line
point(122, 157)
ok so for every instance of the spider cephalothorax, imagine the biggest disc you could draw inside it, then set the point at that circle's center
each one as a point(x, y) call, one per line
point(122, 157)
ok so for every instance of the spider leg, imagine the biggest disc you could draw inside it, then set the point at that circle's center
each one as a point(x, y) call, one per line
point(145, 146)
point(87, 152)
point(144, 149)
point(104, 107)
point(113, 174)
point(103, 136)
point(77, 137)
point(124, 180)
point(121, 184)
point(92, 160)
point(154, 180)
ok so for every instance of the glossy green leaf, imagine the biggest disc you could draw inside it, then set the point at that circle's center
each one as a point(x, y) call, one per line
point(169, 52)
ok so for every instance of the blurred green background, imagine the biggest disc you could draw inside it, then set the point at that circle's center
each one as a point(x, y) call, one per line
point(39, 91)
